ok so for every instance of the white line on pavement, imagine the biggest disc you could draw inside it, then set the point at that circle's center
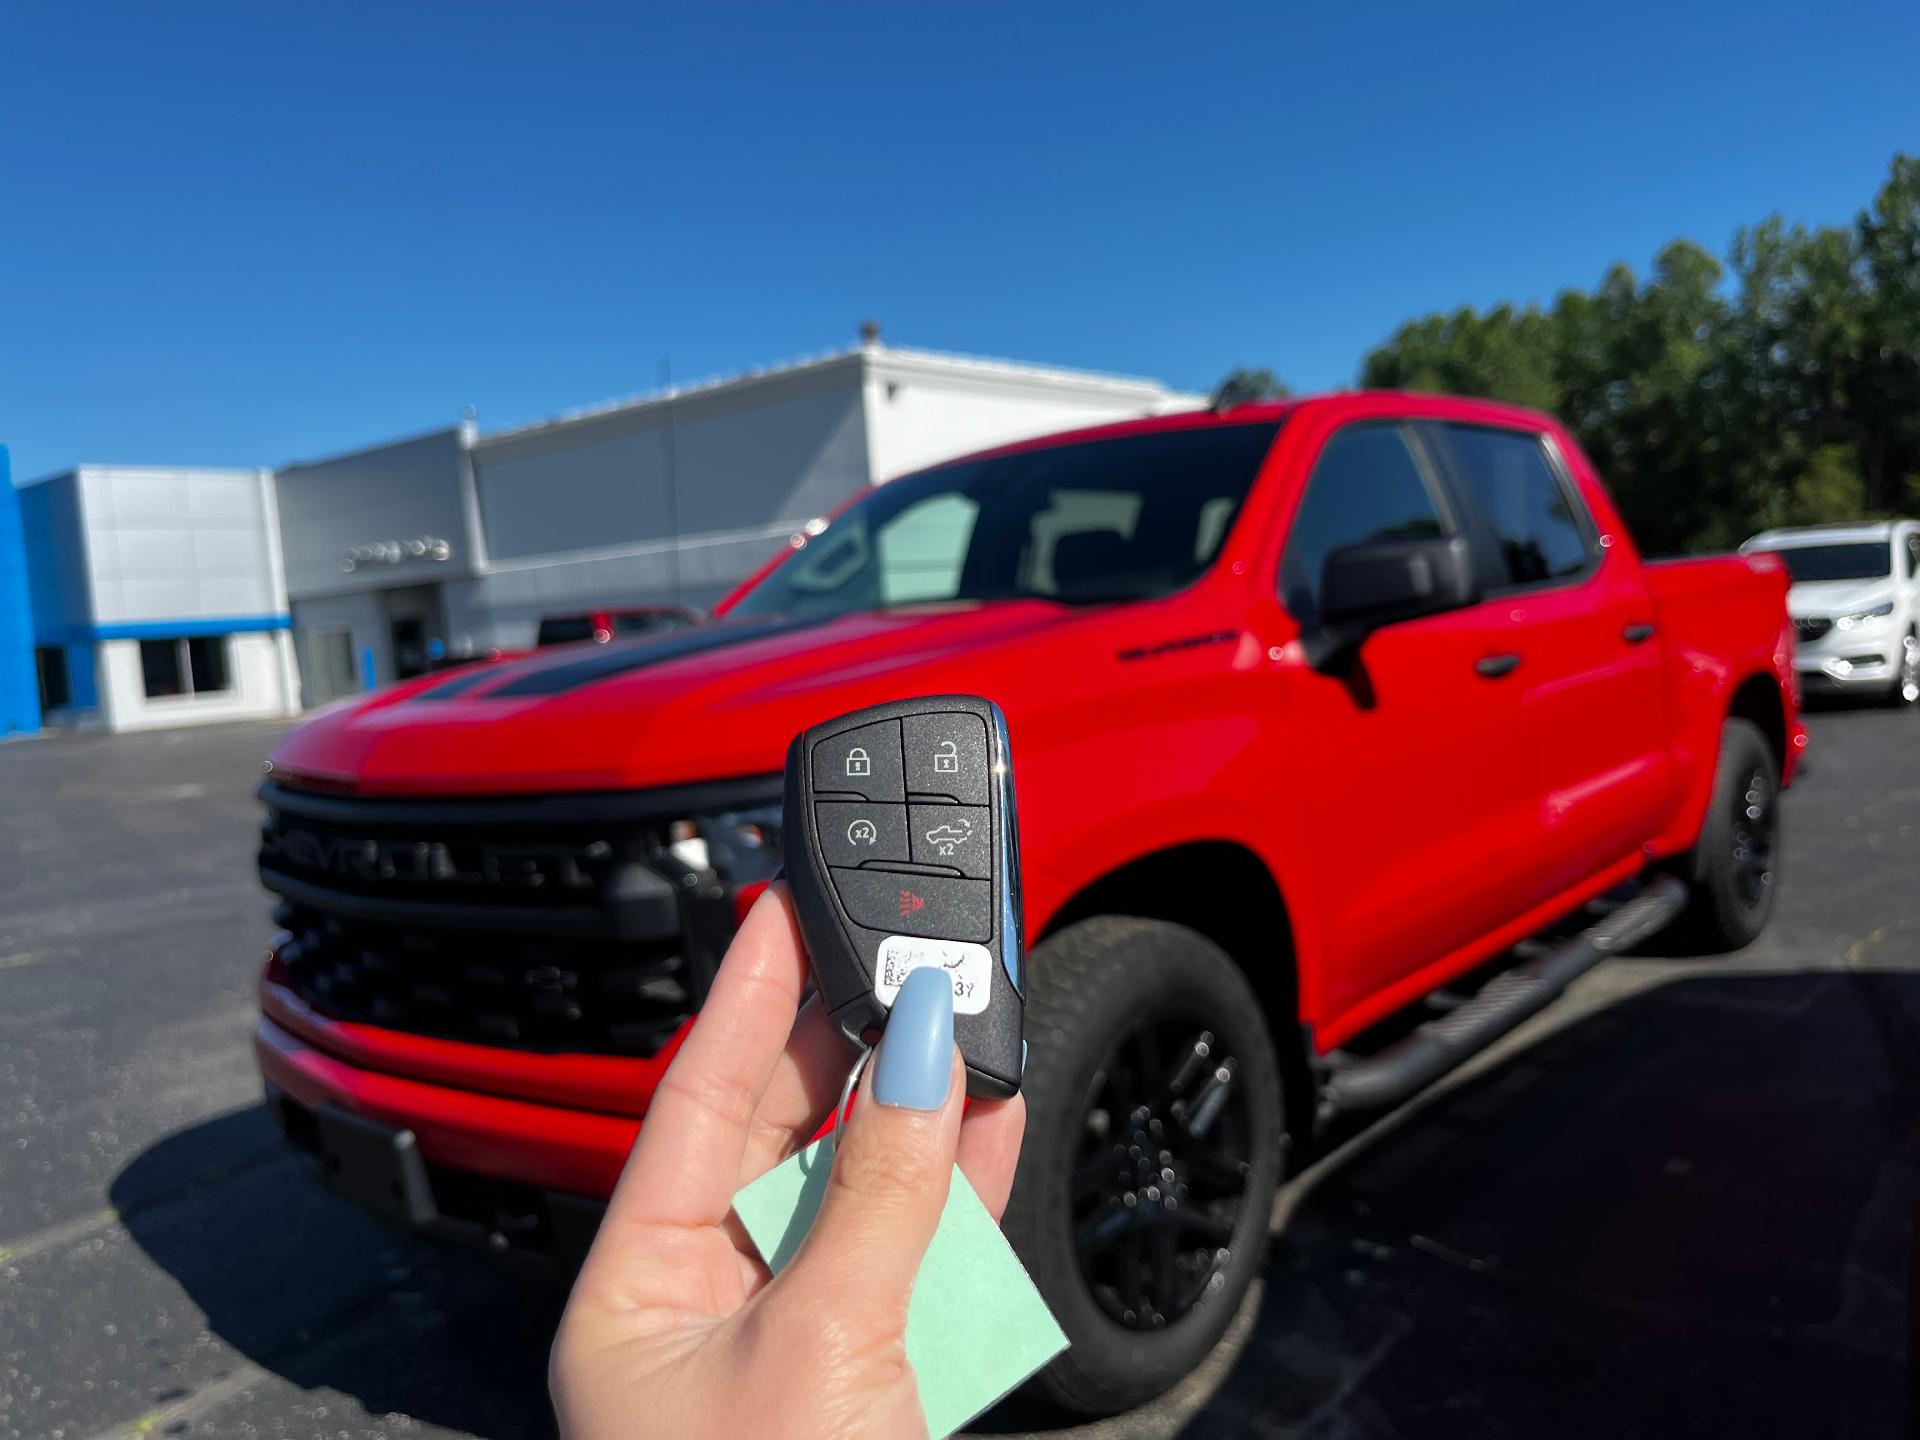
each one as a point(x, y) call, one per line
point(184, 1411)
point(55, 1236)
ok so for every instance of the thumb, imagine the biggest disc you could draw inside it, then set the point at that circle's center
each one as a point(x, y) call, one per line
point(892, 1168)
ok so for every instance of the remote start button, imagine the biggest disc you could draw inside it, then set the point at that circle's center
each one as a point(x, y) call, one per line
point(853, 834)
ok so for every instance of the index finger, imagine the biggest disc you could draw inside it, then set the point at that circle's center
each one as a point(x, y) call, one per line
point(686, 1164)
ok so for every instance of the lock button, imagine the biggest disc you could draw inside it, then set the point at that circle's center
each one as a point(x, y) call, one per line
point(863, 762)
point(946, 756)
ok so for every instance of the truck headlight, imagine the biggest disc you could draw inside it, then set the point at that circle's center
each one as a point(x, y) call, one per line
point(1863, 617)
point(721, 860)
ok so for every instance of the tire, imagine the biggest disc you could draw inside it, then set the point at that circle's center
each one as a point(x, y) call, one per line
point(1115, 1000)
point(1906, 685)
point(1735, 862)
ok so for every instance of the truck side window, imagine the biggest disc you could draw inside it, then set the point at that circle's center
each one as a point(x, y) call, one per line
point(1366, 486)
point(1541, 533)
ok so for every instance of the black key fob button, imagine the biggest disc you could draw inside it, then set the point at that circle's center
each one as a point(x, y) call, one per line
point(853, 834)
point(955, 835)
point(947, 755)
point(928, 905)
point(864, 762)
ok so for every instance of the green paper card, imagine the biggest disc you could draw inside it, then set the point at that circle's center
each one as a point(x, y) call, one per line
point(976, 1327)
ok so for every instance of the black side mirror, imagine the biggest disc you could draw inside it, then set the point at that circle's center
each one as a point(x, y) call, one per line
point(1363, 587)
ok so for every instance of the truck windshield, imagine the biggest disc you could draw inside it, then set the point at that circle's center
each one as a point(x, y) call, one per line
point(1122, 519)
point(1867, 561)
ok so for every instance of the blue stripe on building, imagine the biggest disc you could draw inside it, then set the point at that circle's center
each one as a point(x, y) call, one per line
point(79, 636)
point(19, 690)
point(178, 629)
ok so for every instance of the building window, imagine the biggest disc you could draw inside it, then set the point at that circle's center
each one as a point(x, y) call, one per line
point(56, 686)
point(207, 663)
point(160, 668)
point(196, 666)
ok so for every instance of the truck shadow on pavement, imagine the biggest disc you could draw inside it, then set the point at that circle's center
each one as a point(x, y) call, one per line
point(1688, 1212)
point(307, 1286)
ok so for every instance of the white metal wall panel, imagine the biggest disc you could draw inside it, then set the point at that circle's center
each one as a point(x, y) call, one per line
point(177, 545)
point(600, 483)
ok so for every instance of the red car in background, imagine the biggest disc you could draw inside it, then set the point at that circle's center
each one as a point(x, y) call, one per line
point(600, 626)
point(1320, 706)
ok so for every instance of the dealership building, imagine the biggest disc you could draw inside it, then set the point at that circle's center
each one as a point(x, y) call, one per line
point(333, 576)
point(157, 596)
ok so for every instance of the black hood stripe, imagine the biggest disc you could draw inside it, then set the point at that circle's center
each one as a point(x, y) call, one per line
point(609, 661)
point(460, 684)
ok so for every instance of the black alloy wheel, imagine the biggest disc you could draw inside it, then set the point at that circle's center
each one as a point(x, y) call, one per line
point(1156, 1138)
point(1752, 832)
point(1162, 1173)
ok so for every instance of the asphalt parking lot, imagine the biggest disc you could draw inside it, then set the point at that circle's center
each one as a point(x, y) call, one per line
point(1681, 1202)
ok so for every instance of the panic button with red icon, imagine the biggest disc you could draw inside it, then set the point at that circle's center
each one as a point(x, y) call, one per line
point(929, 905)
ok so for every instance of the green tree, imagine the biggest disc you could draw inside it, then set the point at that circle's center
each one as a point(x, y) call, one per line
point(1782, 387)
point(1886, 396)
point(1242, 386)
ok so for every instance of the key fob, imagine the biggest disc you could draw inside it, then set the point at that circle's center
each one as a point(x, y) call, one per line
point(903, 850)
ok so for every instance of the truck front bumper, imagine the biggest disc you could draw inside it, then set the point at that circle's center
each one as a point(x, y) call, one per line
point(526, 1176)
point(526, 1180)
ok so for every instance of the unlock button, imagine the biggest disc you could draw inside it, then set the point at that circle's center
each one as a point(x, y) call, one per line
point(946, 755)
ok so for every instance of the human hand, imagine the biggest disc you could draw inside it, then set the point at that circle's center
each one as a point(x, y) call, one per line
point(674, 1327)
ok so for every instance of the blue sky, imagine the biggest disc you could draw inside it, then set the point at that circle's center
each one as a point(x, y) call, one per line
point(252, 233)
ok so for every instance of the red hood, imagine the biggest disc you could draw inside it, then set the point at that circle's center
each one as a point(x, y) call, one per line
point(711, 703)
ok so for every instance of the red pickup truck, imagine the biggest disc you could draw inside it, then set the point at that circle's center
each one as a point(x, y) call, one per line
point(1320, 708)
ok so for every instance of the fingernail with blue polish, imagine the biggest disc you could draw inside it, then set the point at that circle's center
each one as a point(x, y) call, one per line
point(916, 1049)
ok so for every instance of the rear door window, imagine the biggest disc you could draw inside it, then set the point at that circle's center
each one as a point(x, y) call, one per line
point(1539, 528)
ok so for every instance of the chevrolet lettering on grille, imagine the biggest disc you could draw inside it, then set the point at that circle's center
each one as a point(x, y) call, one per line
point(434, 862)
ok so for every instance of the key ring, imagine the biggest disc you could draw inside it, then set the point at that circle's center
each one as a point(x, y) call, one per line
point(846, 1096)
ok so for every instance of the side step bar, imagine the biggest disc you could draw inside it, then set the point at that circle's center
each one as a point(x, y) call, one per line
point(1375, 1081)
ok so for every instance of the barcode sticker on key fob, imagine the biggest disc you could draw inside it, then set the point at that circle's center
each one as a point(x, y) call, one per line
point(969, 967)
